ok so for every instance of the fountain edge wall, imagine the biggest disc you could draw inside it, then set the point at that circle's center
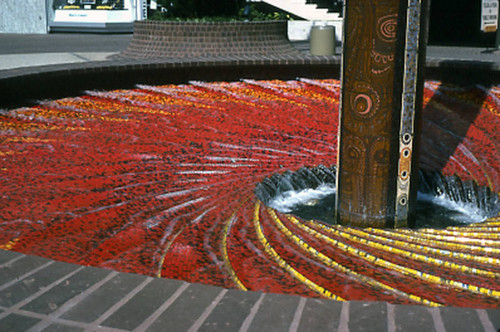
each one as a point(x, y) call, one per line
point(28, 85)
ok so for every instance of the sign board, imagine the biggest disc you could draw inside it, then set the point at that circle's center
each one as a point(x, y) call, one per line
point(489, 15)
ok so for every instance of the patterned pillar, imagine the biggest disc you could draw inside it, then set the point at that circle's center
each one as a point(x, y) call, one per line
point(384, 51)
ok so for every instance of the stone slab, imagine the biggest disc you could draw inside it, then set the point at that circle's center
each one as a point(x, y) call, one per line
point(275, 313)
point(142, 305)
point(14, 322)
point(494, 317)
point(413, 319)
point(368, 316)
point(320, 315)
point(33, 283)
point(230, 312)
point(63, 328)
point(94, 305)
point(19, 267)
point(60, 294)
point(186, 309)
point(456, 319)
point(6, 256)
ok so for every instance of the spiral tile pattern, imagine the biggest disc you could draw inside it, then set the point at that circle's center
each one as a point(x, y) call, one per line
point(159, 180)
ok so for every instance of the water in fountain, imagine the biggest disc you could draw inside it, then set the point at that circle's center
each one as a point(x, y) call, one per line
point(442, 200)
point(159, 180)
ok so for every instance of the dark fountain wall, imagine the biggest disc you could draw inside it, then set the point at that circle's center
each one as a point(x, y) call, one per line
point(25, 86)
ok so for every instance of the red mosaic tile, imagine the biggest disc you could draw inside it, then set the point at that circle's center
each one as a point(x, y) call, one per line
point(159, 180)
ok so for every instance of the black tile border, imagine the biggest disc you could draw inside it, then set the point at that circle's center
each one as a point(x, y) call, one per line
point(27, 86)
point(166, 61)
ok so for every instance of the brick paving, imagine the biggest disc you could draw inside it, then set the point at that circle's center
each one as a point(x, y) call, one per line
point(194, 39)
point(38, 294)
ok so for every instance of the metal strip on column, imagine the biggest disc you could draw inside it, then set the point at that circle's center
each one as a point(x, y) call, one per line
point(379, 113)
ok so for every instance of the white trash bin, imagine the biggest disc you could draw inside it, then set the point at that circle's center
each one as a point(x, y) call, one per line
point(322, 40)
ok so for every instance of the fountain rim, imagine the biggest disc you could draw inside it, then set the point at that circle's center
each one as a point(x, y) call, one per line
point(28, 85)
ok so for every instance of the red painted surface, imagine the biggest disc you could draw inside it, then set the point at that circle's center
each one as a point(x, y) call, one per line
point(160, 180)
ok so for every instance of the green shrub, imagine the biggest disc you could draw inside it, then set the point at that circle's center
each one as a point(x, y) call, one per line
point(215, 11)
point(191, 9)
point(260, 14)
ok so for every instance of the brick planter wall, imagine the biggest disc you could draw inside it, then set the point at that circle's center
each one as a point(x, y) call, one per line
point(159, 39)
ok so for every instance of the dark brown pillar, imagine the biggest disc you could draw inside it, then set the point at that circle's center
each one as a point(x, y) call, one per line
point(383, 53)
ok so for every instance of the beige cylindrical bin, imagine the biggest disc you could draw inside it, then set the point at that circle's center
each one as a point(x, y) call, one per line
point(322, 40)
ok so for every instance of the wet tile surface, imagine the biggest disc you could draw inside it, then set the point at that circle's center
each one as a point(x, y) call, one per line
point(175, 198)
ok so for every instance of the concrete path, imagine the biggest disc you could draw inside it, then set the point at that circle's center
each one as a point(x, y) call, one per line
point(10, 61)
point(18, 51)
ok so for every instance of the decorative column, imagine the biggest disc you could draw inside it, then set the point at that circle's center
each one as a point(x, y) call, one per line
point(383, 54)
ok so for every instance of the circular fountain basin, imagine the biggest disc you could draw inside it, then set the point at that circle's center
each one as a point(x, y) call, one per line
point(160, 180)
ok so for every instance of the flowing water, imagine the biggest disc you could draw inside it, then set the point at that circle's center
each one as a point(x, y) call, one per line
point(442, 201)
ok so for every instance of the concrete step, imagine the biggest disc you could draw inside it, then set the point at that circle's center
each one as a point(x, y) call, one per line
point(38, 294)
point(302, 9)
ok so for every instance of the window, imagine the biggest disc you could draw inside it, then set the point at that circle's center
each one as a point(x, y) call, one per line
point(88, 4)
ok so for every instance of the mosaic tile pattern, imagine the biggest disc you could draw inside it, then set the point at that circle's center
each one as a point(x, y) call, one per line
point(159, 180)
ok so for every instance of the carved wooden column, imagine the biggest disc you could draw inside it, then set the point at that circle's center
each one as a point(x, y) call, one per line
point(383, 54)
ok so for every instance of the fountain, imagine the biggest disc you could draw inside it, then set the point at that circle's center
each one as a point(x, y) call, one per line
point(161, 179)
point(384, 45)
point(310, 193)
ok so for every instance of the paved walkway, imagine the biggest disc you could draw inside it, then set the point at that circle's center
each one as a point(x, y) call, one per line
point(35, 50)
point(18, 51)
point(37, 294)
